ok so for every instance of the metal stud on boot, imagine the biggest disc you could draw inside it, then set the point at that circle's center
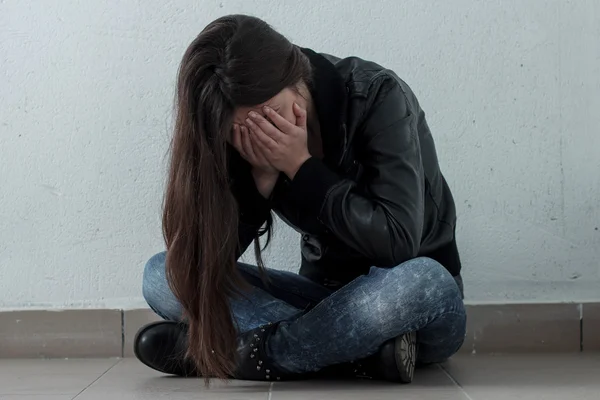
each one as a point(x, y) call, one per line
point(253, 364)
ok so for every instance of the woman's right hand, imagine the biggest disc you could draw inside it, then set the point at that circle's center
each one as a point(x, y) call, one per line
point(265, 175)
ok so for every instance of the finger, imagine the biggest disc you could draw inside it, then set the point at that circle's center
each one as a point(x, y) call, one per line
point(237, 139)
point(283, 124)
point(300, 114)
point(258, 151)
point(246, 143)
point(259, 146)
point(265, 139)
point(265, 126)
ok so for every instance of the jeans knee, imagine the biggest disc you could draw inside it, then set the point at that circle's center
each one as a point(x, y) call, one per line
point(155, 280)
point(426, 281)
point(411, 294)
point(433, 277)
point(439, 286)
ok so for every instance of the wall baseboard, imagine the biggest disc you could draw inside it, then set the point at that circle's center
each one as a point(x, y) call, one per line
point(509, 328)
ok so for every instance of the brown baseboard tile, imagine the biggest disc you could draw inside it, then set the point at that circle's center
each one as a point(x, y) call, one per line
point(60, 334)
point(510, 328)
point(591, 327)
point(523, 328)
point(133, 321)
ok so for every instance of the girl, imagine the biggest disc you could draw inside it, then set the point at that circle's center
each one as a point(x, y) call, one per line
point(341, 151)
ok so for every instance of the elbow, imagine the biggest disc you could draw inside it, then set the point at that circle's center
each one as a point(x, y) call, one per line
point(402, 246)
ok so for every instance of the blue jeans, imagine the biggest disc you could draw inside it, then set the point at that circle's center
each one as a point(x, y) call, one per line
point(320, 327)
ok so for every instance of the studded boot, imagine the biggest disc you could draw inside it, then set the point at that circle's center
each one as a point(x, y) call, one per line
point(253, 364)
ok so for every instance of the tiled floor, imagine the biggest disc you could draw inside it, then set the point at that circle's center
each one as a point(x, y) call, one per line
point(572, 376)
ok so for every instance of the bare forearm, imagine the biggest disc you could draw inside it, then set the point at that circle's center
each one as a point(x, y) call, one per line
point(265, 182)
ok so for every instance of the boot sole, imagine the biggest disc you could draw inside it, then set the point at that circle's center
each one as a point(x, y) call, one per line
point(406, 356)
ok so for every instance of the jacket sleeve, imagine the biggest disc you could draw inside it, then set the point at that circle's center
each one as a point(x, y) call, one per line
point(381, 216)
point(252, 216)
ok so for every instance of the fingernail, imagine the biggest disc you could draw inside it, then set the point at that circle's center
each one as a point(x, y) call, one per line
point(267, 109)
point(249, 121)
point(253, 114)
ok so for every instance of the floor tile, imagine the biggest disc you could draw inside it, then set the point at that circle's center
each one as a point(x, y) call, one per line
point(526, 377)
point(36, 397)
point(49, 377)
point(361, 390)
point(430, 383)
point(547, 376)
point(132, 380)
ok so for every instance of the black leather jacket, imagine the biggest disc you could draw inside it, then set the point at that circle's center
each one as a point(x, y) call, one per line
point(378, 197)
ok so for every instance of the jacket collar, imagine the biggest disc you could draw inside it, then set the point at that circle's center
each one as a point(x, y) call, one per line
point(329, 93)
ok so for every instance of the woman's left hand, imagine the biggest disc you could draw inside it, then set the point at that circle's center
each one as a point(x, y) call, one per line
point(282, 143)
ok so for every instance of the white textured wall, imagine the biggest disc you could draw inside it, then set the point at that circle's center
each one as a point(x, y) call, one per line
point(512, 91)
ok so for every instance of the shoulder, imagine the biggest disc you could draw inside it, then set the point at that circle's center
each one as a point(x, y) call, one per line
point(367, 78)
point(373, 87)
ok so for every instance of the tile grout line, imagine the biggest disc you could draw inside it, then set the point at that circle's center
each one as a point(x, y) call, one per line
point(96, 380)
point(581, 327)
point(270, 390)
point(122, 333)
point(455, 382)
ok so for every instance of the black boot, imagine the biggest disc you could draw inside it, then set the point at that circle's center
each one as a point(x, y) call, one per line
point(253, 364)
point(394, 362)
point(162, 346)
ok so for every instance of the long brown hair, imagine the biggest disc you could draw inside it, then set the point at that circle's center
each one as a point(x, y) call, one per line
point(235, 61)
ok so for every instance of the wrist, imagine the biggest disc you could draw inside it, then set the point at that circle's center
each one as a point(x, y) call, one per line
point(265, 181)
point(294, 168)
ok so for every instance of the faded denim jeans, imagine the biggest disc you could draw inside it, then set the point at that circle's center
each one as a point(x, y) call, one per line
point(320, 327)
